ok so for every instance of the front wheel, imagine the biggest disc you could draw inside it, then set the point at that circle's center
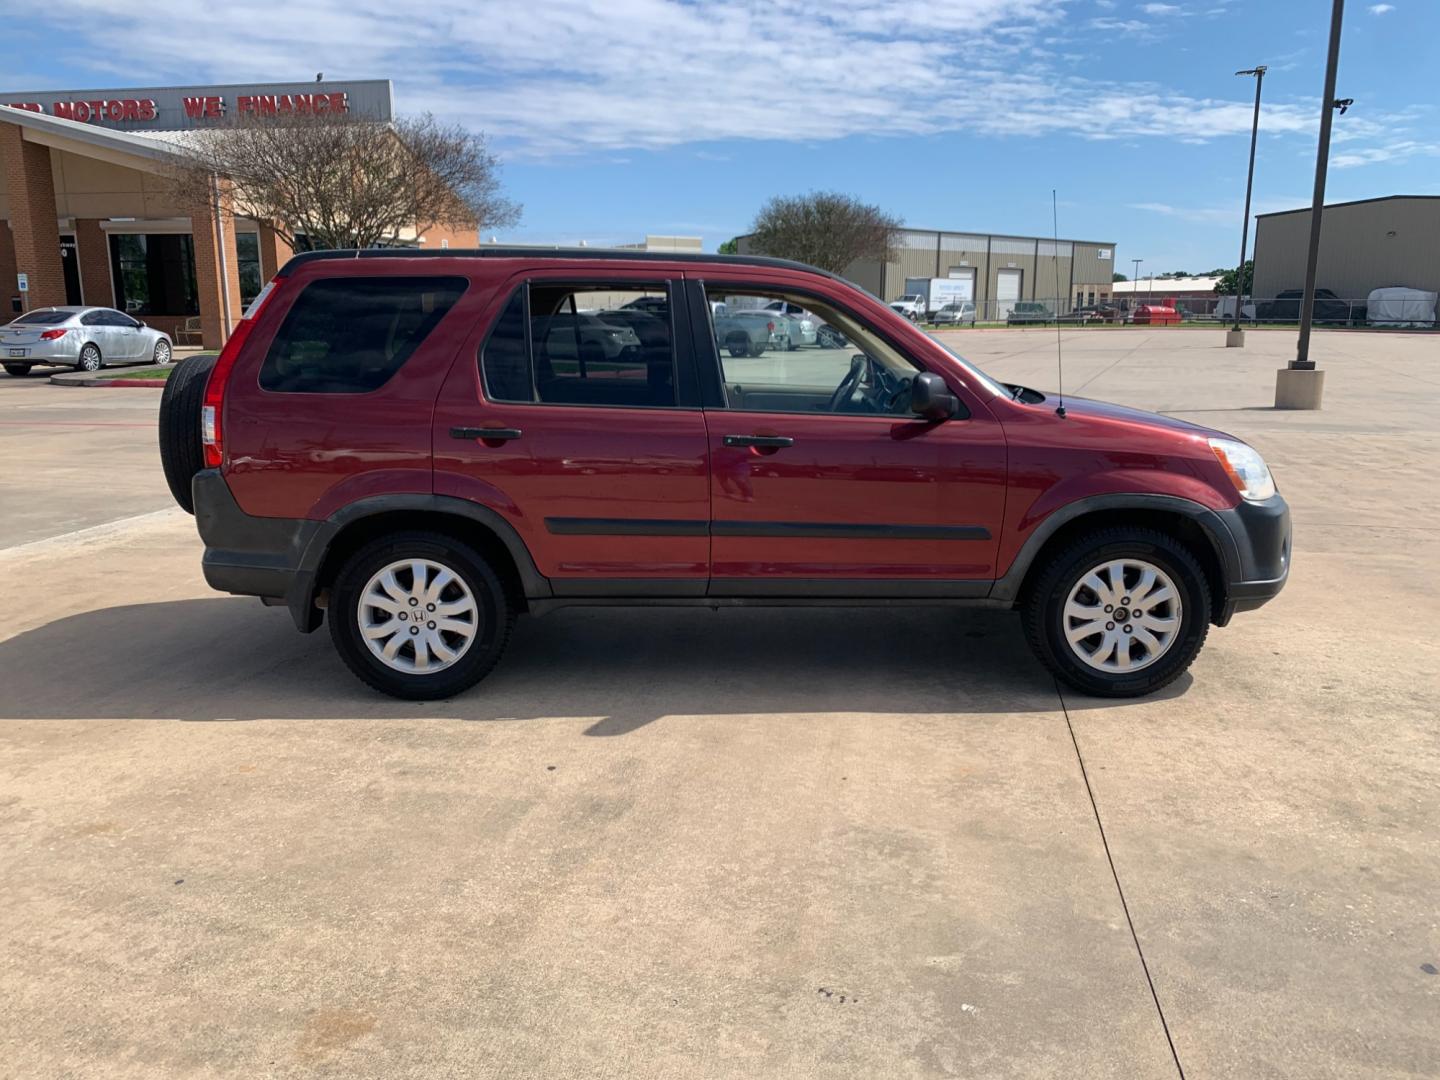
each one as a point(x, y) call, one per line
point(162, 352)
point(1119, 613)
point(419, 615)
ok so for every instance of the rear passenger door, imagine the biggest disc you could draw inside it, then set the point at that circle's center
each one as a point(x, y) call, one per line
point(574, 411)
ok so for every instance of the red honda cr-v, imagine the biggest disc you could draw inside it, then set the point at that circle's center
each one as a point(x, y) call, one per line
point(424, 445)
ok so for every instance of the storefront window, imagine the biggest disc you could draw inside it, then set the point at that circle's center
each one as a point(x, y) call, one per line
point(154, 273)
point(247, 256)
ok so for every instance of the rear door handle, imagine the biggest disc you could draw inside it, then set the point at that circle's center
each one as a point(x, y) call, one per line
point(495, 434)
point(773, 442)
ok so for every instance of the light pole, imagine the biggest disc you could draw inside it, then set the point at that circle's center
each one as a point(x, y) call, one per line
point(1236, 337)
point(1301, 385)
point(1135, 288)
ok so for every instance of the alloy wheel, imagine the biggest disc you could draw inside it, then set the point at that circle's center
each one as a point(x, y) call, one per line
point(418, 616)
point(1122, 615)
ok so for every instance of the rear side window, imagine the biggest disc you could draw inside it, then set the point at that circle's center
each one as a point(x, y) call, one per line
point(583, 345)
point(43, 318)
point(349, 335)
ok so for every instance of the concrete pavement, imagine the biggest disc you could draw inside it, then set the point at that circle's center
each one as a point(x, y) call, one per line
point(771, 843)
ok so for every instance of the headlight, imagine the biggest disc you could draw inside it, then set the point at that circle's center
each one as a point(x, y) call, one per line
point(1246, 468)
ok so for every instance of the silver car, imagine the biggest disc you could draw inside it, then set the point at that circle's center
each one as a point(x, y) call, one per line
point(85, 338)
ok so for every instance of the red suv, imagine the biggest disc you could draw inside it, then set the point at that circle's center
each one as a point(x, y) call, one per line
point(423, 445)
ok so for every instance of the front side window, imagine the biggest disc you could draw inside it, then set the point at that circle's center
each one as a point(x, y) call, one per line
point(818, 359)
point(567, 344)
point(349, 335)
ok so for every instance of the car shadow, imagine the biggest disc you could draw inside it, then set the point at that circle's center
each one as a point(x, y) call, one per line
point(230, 659)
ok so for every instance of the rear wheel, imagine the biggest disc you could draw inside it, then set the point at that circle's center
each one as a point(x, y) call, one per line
point(1119, 613)
point(18, 370)
point(90, 358)
point(419, 616)
point(756, 349)
point(181, 453)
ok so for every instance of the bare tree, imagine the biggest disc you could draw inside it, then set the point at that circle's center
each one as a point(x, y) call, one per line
point(346, 181)
point(825, 229)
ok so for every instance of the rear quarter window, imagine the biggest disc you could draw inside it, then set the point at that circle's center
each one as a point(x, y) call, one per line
point(350, 335)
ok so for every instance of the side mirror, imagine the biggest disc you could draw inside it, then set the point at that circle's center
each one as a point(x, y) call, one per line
point(931, 398)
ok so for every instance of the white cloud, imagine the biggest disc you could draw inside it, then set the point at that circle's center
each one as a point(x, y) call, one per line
point(601, 77)
point(1398, 150)
point(1160, 9)
point(1381, 9)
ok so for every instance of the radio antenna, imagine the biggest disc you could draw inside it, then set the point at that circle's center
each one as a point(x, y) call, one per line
point(1059, 347)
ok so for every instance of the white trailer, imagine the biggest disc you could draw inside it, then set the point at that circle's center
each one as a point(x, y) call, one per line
point(941, 291)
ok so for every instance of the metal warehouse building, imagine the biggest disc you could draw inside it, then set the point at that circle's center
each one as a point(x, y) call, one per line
point(1001, 269)
point(1364, 245)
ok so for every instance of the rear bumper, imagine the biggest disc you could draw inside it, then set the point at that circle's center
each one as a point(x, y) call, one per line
point(1262, 537)
point(255, 556)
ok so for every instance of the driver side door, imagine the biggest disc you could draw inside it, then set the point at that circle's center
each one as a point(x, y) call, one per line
point(823, 482)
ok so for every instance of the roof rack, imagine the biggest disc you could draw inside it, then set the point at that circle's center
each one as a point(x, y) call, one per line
point(518, 252)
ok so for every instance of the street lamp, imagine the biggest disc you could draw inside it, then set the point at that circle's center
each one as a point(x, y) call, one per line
point(1236, 336)
point(1135, 288)
point(1300, 385)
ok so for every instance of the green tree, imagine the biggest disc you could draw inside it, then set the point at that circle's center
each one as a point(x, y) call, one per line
point(729, 247)
point(1118, 277)
point(1225, 286)
point(825, 229)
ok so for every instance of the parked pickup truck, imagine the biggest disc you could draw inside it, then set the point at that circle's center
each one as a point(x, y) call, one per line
point(1029, 313)
point(911, 305)
point(743, 333)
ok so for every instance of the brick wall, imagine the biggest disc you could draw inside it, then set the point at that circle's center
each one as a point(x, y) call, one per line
point(93, 252)
point(33, 225)
point(7, 272)
point(434, 238)
point(207, 273)
point(274, 253)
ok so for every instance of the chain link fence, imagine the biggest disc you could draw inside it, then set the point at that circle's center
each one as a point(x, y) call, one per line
point(1282, 310)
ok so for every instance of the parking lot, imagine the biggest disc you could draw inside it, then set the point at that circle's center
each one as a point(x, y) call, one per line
point(774, 843)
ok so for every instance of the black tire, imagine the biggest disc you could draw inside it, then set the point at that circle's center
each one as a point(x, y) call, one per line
point(757, 350)
point(90, 358)
point(181, 453)
point(462, 560)
point(1042, 610)
point(17, 370)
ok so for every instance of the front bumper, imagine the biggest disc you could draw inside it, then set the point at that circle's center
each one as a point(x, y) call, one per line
point(1262, 542)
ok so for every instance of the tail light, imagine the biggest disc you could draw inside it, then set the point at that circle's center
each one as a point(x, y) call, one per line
point(770, 326)
point(212, 436)
point(52, 335)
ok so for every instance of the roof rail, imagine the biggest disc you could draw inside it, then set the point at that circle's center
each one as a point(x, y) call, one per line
point(519, 252)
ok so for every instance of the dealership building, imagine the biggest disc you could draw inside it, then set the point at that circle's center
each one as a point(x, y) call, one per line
point(995, 271)
point(89, 213)
point(1364, 245)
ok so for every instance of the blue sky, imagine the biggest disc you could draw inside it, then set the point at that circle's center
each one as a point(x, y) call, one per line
point(615, 118)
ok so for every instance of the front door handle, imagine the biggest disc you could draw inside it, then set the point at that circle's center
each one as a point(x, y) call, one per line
point(489, 434)
point(769, 442)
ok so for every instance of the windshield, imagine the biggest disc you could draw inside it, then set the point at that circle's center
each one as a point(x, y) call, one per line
point(980, 376)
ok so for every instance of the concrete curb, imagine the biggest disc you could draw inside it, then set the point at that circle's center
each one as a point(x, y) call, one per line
point(86, 378)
